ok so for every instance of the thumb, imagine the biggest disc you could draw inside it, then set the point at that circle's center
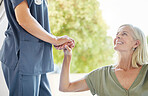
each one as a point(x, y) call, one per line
point(67, 48)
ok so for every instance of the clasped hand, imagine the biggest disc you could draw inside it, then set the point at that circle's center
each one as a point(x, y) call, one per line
point(66, 47)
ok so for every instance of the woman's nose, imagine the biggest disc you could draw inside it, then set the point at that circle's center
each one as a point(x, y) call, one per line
point(118, 36)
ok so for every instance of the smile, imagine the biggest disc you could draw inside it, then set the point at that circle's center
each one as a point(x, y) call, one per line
point(120, 43)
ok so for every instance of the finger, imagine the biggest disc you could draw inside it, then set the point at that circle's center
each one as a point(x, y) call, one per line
point(57, 48)
point(72, 46)
point(72, 40)
point(61, 47)
point(71, 43)
point(67, 48)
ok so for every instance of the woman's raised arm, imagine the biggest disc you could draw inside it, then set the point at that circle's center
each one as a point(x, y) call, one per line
point(65, 84)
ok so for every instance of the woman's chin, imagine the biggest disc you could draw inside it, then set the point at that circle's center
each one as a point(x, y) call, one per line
point(117, 49)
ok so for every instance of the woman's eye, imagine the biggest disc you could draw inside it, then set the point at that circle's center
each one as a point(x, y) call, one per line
point(124, 34)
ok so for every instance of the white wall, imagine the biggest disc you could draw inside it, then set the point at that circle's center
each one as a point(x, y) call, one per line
point(3, 26)
point(3, 23)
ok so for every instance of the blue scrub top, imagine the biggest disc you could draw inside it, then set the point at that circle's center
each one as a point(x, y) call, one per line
point(32, 55)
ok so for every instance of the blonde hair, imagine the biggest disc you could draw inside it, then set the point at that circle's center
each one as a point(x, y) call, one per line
point(140, 55)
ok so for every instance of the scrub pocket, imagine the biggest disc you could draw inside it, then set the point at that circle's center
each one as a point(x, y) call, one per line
point(31, 54)
point(9, 55)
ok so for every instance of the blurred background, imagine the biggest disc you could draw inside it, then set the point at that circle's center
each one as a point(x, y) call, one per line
point(93, 25)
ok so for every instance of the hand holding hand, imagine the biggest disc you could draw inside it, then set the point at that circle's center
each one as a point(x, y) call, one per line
point(70, 44)
point(67, 50)
point(63, 39)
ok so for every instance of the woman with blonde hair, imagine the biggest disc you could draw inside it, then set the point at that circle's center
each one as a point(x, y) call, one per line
point(129, 77)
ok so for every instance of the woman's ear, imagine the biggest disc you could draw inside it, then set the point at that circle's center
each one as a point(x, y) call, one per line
point(137, 43)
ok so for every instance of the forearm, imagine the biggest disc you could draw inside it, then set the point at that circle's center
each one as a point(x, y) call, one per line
point(34, 28)
point(31, 25)
point(65, 84)
point(64, 77)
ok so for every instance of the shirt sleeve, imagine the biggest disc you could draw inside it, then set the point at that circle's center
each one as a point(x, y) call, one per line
point(17, 2)
point(93, 81)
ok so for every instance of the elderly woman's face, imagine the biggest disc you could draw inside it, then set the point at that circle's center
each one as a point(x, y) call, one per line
point(124, 40)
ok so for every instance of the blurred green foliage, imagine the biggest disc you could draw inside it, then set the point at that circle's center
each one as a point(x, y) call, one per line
point(82, 21)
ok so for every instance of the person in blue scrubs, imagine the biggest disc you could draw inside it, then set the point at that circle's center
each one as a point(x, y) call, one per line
point(26, 54)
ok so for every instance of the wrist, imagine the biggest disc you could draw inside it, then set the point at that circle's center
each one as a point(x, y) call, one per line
point(67, 55)
point(56, 41)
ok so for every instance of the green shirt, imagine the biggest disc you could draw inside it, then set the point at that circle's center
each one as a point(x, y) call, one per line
point(104, 82)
